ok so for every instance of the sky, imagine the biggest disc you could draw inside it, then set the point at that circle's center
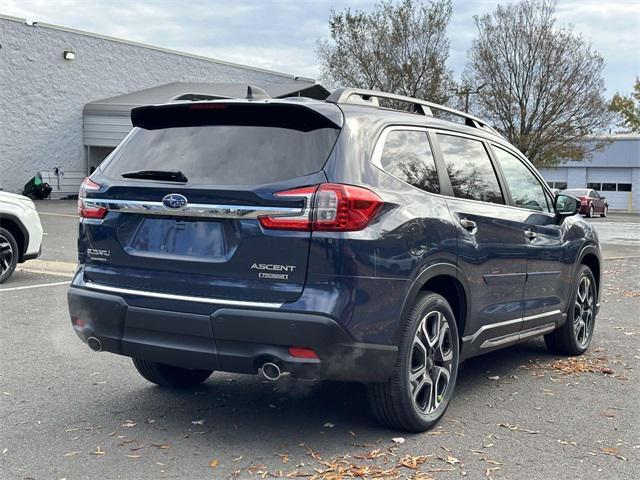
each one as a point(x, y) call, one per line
point(282, 35)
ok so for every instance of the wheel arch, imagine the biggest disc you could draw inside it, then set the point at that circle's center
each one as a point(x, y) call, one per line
point(590, 256)
point(14, 226)
point(446, 280)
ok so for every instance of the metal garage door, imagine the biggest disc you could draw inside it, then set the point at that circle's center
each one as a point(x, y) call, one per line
point(611, 183)
point(555, 177)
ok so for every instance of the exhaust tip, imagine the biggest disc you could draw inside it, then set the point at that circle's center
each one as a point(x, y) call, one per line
point(271, 371)
point(94, 344)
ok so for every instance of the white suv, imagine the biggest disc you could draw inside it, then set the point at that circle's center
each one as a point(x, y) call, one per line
point(20, 232)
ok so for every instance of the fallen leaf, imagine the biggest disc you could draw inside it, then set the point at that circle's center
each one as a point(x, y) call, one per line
point(495, 377)
point(70, 454)
point(213, 463)
point(452, 460)
point(129, 424)
point(98, 451)
point(329, 425)
point(517, 428)
point(198, 422)
point(398, 440)
point(161, 446)
point(412, 462)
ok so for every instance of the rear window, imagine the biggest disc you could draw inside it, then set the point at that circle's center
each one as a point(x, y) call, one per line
point(407, 156)
point(250, 152)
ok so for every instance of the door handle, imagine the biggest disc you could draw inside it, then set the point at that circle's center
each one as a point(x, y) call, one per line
point(468, 224)
point(530, 234)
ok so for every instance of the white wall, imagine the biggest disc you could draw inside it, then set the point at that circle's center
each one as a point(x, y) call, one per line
point(42, 95)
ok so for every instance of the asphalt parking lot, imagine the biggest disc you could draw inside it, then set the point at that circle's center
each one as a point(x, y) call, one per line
point(67, 412)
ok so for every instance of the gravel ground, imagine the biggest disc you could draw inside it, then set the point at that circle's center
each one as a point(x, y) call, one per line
point(66, 412)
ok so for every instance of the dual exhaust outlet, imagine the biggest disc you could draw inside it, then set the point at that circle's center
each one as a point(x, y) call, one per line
point(271, 371)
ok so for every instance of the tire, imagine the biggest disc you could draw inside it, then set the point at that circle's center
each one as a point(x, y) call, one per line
point(170, 376)
point(605, 211)
point(590, 212)
point(8, 254)
point(393, 401)
point(574, 336)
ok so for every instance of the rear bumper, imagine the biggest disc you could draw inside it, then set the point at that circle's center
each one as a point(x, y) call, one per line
point(226, 338)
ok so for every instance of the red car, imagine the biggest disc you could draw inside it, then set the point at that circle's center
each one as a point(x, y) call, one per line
point(591, 202)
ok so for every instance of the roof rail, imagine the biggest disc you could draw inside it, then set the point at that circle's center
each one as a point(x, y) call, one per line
point(361, 96)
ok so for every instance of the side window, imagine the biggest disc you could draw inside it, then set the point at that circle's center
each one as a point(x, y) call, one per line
point(407, 155)
point(469, 168)
point(594, 194)
point(526, 189)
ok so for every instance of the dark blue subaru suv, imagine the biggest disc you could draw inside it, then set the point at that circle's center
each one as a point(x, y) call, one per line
point(351, 239)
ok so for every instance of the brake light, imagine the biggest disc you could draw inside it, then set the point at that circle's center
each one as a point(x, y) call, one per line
point(328, 207)
point(344, 208)
point(89, 211)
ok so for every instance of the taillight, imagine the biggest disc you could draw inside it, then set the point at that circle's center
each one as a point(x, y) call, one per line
point(328, 207)
point(344, 208)
point(89, 211)
point(301, 221)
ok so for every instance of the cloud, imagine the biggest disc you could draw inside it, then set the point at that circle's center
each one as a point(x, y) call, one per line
point(282, 34)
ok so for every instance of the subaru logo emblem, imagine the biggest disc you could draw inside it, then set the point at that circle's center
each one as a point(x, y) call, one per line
point(174, 200)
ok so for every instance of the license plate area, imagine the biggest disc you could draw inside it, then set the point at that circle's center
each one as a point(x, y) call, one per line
point(179, 239)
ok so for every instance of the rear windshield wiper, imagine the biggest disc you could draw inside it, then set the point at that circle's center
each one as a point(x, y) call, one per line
point(166, 175)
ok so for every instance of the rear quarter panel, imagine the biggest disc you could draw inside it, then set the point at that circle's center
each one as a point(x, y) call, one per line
point(375, 268)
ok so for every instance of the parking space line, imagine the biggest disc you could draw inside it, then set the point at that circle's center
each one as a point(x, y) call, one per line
point(54, 284)
point(57, 214)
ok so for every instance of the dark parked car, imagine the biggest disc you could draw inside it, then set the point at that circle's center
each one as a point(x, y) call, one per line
point(590, 201)
point(327, 239)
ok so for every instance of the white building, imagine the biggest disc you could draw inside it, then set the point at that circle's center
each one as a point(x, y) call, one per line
point(65, 96)
point(613, 171)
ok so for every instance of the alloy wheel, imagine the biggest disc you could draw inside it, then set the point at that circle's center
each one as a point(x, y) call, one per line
point(6, 254)
point(431, 362)
point(583, 312)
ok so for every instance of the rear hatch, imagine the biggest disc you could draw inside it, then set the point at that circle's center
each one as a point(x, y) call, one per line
point(185, 205)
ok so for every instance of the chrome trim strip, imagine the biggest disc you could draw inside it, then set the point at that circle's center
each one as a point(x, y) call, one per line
point(518, 336)
point(185, 298)
point(542, 315)
point(193, 209)
point(471, 338)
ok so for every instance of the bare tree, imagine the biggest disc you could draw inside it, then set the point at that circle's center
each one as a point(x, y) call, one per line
point(399, 48)
point(542, 84)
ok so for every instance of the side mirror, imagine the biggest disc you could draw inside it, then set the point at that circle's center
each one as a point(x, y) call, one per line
point(566, 205)
point(602, 198)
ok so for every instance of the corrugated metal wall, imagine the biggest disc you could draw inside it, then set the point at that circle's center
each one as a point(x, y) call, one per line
point(105, 131)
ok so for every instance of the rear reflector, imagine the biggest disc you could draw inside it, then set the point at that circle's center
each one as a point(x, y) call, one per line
point(329, 207)
point(85, 211)
point(302, 352)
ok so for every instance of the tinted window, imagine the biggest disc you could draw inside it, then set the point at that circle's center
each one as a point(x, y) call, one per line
point(560, 185)
point(470, 170)
point(225, 154)
point(526, 190)
point(594, 194)
point(608, 187)
point(594, 186)
point(624, 187)
point(407, 155)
